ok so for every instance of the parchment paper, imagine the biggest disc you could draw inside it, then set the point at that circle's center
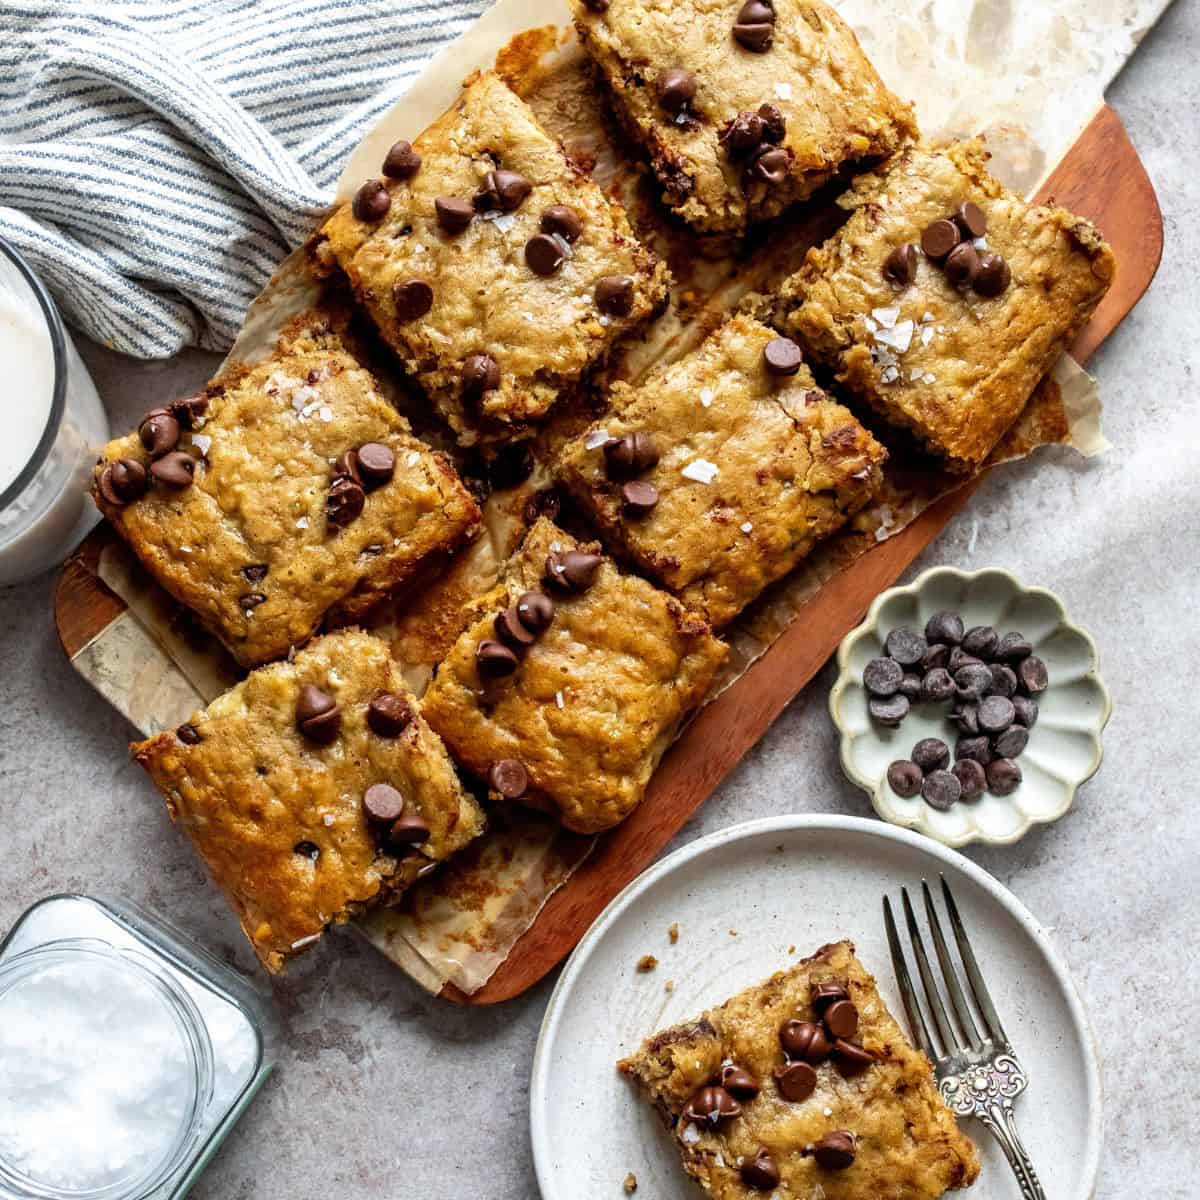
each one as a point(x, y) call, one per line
point(967, 73)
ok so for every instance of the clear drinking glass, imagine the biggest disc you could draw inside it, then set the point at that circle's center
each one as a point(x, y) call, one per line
point(52, 426)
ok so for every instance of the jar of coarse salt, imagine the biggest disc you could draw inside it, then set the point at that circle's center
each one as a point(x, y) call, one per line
point(126, 1054)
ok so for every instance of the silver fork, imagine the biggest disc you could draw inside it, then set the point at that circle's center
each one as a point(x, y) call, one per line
point(977, 1071)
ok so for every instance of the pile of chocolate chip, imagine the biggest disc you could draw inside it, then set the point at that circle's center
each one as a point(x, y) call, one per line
point(126, 480)
point(755, 139)
point(626, 458)
point(355, 473)
point(949, 242)
point(992, 682)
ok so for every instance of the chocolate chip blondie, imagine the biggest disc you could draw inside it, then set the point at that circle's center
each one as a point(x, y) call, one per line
point(805, 1086)
point(493, 266)
point(313, 790)
point(945, 297)
point(721, 472)
point(743, 106)
point(570, 685)
point(283, 493)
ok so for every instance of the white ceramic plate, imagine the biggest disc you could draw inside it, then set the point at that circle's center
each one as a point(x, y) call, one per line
point(784, 881)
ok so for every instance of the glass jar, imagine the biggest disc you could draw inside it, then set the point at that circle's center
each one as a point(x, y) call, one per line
point(52, 427)
point(117, 1025)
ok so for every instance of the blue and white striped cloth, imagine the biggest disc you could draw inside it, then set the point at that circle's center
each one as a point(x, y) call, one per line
point(159, 157)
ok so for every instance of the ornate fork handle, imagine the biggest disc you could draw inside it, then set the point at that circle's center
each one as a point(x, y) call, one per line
point(998, 1117)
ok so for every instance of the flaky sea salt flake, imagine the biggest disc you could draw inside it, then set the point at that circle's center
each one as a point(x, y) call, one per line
point(595, 439)
point(700, 470)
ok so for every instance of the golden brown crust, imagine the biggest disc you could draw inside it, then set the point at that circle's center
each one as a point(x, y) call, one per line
point(270, 438)
point(792, 467)
point(960, 385)
point(254, 788)
point(909, 1147)
point(838, 112)
point(595, 701)
point(544, 332)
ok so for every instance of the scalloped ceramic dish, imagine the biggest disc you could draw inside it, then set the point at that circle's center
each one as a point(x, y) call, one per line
point(1064, 748)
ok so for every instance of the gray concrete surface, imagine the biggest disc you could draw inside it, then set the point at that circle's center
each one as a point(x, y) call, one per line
point(383, 1091)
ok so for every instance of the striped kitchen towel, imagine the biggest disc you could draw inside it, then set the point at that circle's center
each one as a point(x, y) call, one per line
point(159, 157)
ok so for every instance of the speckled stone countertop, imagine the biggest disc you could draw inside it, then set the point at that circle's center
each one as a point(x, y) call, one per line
point(383, 1091)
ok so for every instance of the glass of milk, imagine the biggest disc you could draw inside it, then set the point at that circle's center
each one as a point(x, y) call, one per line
point(52, 426)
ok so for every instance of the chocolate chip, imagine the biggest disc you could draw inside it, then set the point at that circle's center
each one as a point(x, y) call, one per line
point(251, 600)
point(805, 1041)
point(930, 754)
point(510, 630)
point(937, 685)
point(189, 735)
point(1004, 679)
point(796, 1081)
point(638, 498)
point(906, 646)
point(503, 190)
point(945, 628)
point(189, 410)
point(940, 790)
point(882, 676)
point(346, 464)
point(972, 682)
point(910, 687)
point(376, 464)
point(596, 6)
point(676, 89)
point(978, 748)
point(852, 1057)
point(382, 802)
point(966, 716)
point(535, 610)
point(770, 165)
point(317, 715)
point(1003, 777)
point(901, 265)
point(940, 238)
point(308, 850)
point(1031, 673)
point(836, 1151)
point(389, 715)
point(123, 481)
point(1026, 711)
point(494, 660)
point(711, 1105)
point(737, 1081)
point(760, 1172)
point(255, 572)
point(841, 1020)
point(992, 277)
point(629, 456)
point(480, 374)
point(971, 777)
point(1011, 742)
point(563, 220)
point(890, 711)
point(774, 123)
point(174, 470)
point(402, 161)
point(970, 219)
point(409, 830)
point(372, 201)
point(960, 658)
point(159, 432)
point(980, 640)
point(614, 295)
point(345, 501)
point(453, 213)
point(574, 571)
point(904, 778)
point(1012, 647)
point(508, 778)
point(782, 357)
point(413, 298)
point(996, 714)
point(544, 254)
point(961, 265)
point(754, 36)
point(743, 135)
point(822, 995)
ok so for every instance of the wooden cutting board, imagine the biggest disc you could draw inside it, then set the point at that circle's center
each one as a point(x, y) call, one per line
point(1101, 178)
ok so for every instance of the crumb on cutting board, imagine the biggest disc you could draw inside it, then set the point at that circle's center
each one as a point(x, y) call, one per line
point(647, 963)
point(630, 1184)
point(673, 932)
point(669, 986)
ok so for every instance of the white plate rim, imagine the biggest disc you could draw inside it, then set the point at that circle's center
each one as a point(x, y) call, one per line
point(792, 822)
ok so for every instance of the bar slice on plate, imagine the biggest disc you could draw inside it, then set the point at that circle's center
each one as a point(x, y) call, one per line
point(493, 266)
point(721, 472)
point(945, 298)
point(313, 790)
point(568, 688)
point(805, 1086)
point(743, 106)
point(283, 493)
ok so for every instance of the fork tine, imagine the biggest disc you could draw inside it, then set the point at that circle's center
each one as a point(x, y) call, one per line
point(983, 997)
point(962, 1010)
point(912, 1006)
point(940, 1019)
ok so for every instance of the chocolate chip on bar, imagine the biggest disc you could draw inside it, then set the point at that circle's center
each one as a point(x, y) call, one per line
point(372, 201)
point(676, 89)
point(494, 660)
point(174, 470)
point(711, 1105)
point(123, 481)
point(376, 464)
point(503, 191)
point(563, 221)
point(512, 631)
point(402, 161)
point(317, 714)
point(453, 213)
point(629, 456)
point(382, 802)
point(939, 238)
point(159, 432)
point(961, 265)
point(388, 715)
point(480, 374)
point(836, 1151)
point(737, 1081)
point(638, 498)
point(345, 501)
point(509, 778)
point(805, 1041)
point(544, 254)
point(573, 571)
point(796, 1081)
point(760, 1172)
point(535, 610)
point(755, 26)
point(782, 357)
point(413, 298)
point(900, 266)
point(992, 277)
point(409, 830)
point(614, 295)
